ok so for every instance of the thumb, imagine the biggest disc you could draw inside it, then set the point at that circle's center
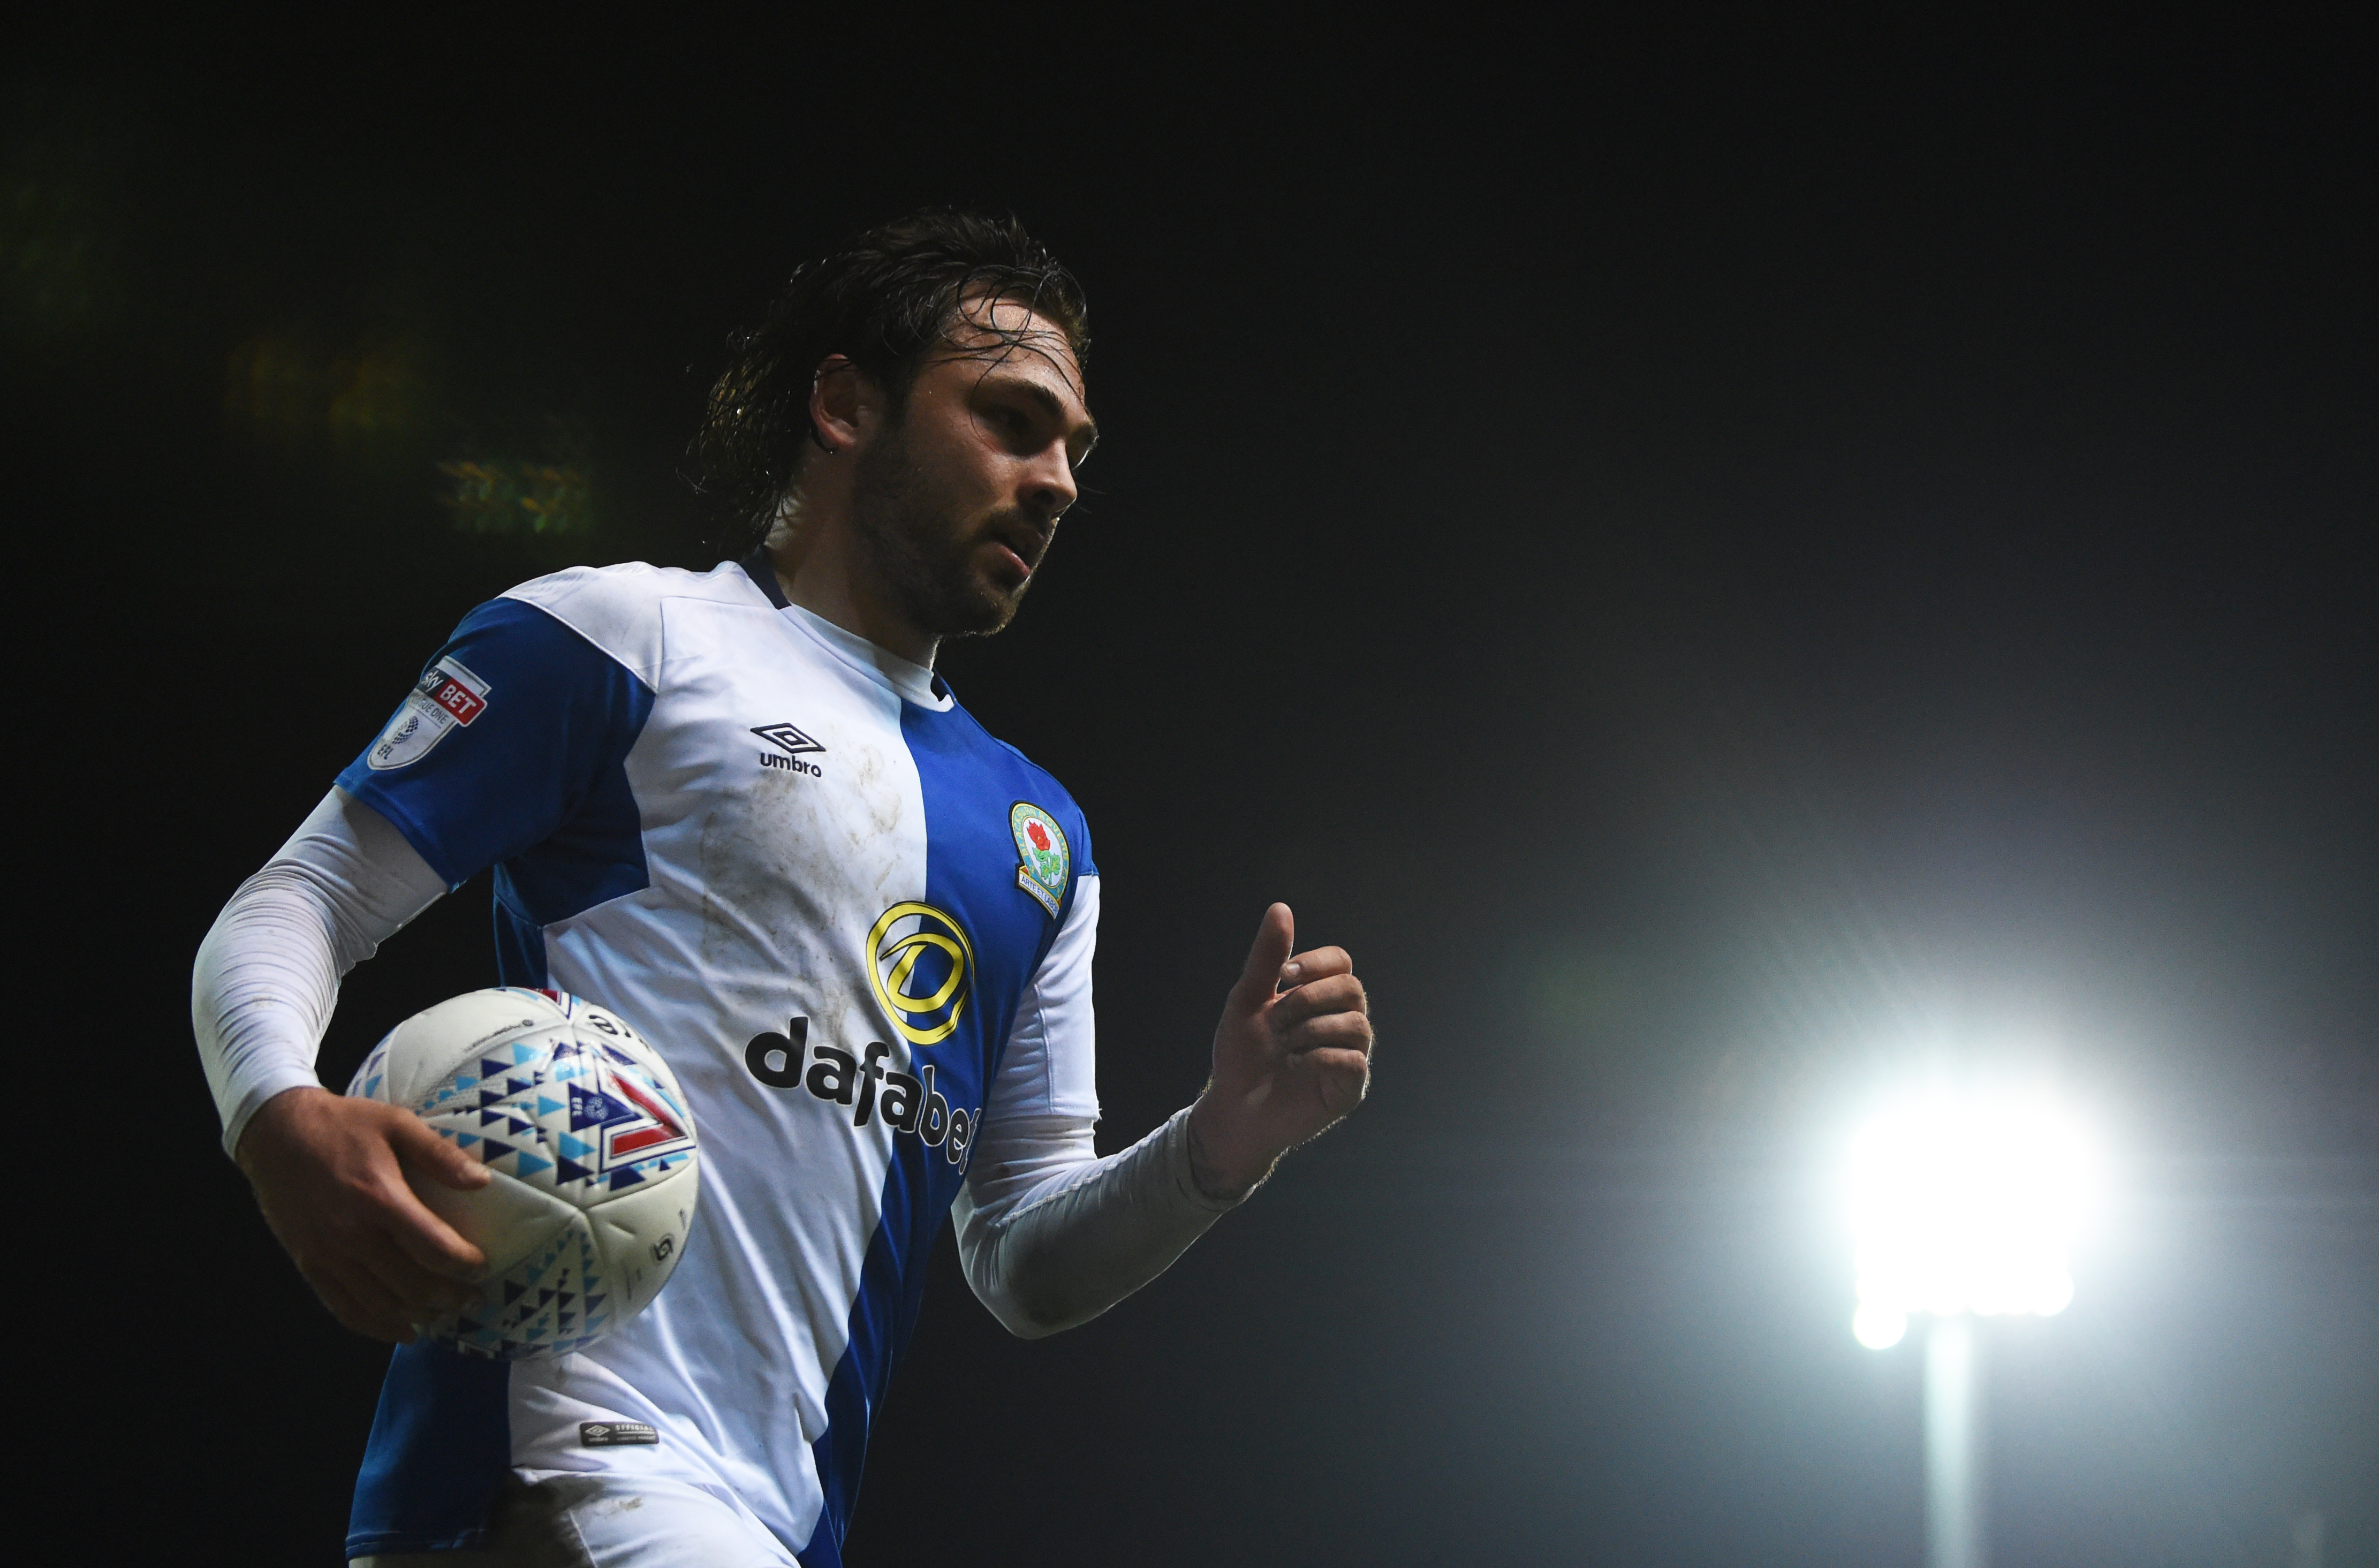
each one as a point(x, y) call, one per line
point(1276, 940)
point(418, 1144)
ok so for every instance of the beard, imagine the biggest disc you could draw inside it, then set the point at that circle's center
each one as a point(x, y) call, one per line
point(908, 522)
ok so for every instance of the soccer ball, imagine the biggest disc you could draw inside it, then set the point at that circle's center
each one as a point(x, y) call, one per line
point(587, 1133)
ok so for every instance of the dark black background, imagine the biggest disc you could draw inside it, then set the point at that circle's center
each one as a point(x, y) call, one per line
point(1729, 567)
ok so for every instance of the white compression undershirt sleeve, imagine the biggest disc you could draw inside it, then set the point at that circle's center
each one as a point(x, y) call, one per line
point(268, 973)
point(1051, 1237)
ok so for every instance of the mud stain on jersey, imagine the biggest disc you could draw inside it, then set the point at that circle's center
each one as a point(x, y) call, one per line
point(786, 863)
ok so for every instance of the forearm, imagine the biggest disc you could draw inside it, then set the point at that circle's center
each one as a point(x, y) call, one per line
point(261, 993)
point(268, 974)
point(1055, 1237)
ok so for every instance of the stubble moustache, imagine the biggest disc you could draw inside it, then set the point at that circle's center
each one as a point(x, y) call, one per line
point(907, 521)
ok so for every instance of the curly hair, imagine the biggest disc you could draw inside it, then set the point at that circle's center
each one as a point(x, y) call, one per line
point(884, 299)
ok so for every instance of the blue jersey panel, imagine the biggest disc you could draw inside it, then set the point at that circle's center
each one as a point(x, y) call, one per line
point(511, 749)
point(970, 783)
point(440, 1443)
point(520, 945)
point(1078, 827)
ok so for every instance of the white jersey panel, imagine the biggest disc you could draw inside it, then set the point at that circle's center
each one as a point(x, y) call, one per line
point(1051, 1065)
point(764, 879)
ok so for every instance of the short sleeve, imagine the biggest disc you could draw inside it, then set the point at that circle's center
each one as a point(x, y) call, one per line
point(1050, 1067)
point(516, 730)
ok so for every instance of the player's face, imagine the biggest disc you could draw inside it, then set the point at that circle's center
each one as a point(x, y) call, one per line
point(956, 504)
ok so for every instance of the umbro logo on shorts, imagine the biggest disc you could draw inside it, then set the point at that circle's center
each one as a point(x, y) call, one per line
point(792, 746)
point(611, 1434)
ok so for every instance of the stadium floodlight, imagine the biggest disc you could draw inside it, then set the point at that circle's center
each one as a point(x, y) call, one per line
point(1962, 1206)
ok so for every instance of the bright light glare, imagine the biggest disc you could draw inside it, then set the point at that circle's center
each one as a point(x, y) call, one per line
point(1878, 1328)
point(1966, 1205)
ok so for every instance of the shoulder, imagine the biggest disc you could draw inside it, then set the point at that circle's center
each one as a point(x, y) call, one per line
point(618, 609)
point(1035, 798)
point(1044, 783)
point(962, 736)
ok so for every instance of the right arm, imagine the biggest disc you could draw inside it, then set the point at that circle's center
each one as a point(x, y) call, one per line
point(508, 732)
point(329, 1172)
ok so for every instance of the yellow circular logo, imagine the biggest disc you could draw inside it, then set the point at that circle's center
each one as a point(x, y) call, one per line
point(923, 968)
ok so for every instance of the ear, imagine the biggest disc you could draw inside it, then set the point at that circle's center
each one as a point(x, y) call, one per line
point(844, 405)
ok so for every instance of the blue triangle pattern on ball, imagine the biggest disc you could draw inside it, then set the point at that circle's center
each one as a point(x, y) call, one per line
point(545, 1111)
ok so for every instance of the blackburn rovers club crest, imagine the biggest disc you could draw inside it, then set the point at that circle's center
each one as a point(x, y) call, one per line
point(1041, 854)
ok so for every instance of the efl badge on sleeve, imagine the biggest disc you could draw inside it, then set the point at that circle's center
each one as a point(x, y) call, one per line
point(1043, 862)
point(447, 697)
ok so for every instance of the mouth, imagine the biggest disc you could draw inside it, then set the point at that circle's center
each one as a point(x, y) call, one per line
point(1016, 552)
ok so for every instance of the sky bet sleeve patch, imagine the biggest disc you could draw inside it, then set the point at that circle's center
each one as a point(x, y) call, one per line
point(447, 696)
point(516, 730)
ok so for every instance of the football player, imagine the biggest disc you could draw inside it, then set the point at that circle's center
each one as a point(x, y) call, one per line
point(739, 807)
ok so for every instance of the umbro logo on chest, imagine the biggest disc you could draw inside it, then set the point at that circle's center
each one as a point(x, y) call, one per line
point(792, 749)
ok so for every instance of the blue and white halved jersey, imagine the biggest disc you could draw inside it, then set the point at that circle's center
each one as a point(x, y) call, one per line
point(789, 859)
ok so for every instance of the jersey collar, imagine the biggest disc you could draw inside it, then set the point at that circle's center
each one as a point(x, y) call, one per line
point(914, 682)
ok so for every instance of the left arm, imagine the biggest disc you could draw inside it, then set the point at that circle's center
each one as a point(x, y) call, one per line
point(1051, 1235)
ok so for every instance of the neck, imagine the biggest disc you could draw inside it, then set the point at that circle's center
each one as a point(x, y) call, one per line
point(820, 567)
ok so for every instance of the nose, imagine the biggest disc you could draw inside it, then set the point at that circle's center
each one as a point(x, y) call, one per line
point(1048, 483)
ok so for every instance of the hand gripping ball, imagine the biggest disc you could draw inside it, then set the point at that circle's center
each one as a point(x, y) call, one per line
point(593, 1154)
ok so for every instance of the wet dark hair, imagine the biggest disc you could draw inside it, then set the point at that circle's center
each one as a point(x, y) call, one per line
point(884, 299)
